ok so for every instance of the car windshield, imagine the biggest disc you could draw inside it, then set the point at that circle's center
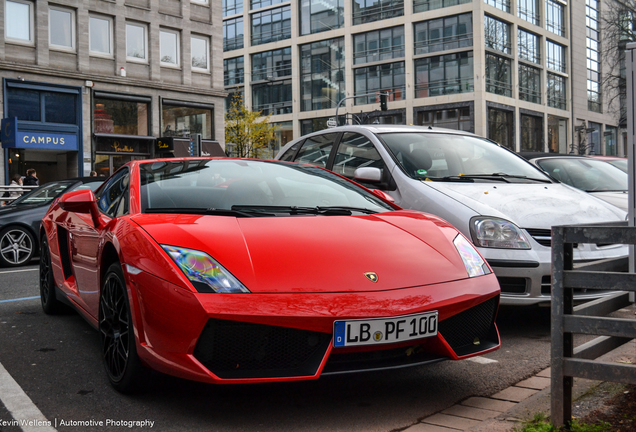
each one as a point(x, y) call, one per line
point(250, 188)
point(449, 157)
point(43, 194)
point(590, 175)
point(619, 163)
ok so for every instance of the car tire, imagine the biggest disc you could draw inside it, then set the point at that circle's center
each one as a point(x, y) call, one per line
point(50, 304)
point(17, 246)
point(119, 351)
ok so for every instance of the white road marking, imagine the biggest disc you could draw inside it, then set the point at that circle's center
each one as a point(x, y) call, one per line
point(20, 406)
point(18, 271)
point(482, 360)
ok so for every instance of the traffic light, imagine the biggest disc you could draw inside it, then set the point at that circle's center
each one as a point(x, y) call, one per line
point(383, 106)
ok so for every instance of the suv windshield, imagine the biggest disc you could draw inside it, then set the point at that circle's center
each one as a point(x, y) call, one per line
point(250, 188)
point(449, 157)
point(590, 175)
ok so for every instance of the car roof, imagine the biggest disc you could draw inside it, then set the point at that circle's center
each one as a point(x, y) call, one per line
point(380, 128)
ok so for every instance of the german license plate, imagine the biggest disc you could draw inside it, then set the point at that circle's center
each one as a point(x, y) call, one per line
point(384, 330)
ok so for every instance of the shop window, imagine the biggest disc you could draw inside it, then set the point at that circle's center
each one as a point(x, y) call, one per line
point(500, 127)
point(18, 22)
point(186, 119)
point(61, 28)
point(120, 117)
point(451, 118)
point(531, 133)
point(136, 42)
point(169, 47)
point(199, 49)
point(557, 135)
point(100, 29)
point(26, 104)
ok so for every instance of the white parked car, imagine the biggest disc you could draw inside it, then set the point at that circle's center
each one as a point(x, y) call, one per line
point(506, 205)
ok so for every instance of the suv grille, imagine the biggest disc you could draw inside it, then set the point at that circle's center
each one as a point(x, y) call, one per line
point(233, 349)
point(461, 331)
point(541, 236)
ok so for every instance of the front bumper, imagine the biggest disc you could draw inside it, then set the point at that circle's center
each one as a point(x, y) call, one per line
point(235, 338)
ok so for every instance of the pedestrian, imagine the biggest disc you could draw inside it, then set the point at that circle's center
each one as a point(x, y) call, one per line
point(16, 183)
point(93, 174)
point(31, 178)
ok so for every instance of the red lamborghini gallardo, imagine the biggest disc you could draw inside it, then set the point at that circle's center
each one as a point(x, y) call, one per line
point(234, 271)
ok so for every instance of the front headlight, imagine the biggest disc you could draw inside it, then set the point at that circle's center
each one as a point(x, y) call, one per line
point(497, 233)
point(474, 263)
point(205, 274)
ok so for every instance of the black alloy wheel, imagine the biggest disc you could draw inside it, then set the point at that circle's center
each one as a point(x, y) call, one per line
point(117, 334)
point(16, 246)
point(50, 304)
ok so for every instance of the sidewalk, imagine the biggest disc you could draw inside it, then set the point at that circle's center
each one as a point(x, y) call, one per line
point(508, 409)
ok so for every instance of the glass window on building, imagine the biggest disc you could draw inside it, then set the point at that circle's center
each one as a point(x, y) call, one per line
point(500, 127)
point(529, 83)
point(365, 11)
point(237, 92)
point(100, 29)
point(498, 75)
point(442, 34)
point(497, 34)
point(529, 11)
point(556, 91)
point(233, 34)
point(271, 25)
point(232, 7)
point(610, 140)
point(199, 47)
point(233, 71)
point(61, 28)
point(186, 119)
point(136, 42)
point(121, 117)
point(169, 47)
point(386, 44)
point(426, 5)
point(284, 133)
point(594, 138)
point(593, 57)
point(451, 118)
point(272, 98)
point(271, 65)
point(442, 75)
point(388, 78)
point(26, 104)
point(528, 47)
point(257, 4)
point(555, 56)
point(503, 5)
point(555, 17)
point(314, 124)
point(316, 17)
point(557, 135)
point(322, 74)
point(18, 21)
point(531, 133)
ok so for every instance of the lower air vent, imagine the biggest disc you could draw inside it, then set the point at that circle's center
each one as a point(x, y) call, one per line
point(233, 349)
point(512, 285)
point(473, 330)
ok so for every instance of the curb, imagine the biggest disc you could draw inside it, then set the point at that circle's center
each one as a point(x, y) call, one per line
point(509, 408)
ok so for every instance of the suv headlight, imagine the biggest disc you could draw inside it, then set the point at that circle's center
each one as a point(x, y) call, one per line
point(474, 263)
point(497, 233)
point(205, 274)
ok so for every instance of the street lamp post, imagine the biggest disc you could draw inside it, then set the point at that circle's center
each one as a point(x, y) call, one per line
point(383, 97)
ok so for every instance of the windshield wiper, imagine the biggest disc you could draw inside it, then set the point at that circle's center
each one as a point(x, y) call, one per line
point(500, 174)
point(494, 176)
point(294, 210)
point(204, 211)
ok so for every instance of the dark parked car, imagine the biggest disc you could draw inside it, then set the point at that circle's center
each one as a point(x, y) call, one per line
point(20, 220)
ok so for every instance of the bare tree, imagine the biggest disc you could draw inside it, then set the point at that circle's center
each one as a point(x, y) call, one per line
point(617, 26)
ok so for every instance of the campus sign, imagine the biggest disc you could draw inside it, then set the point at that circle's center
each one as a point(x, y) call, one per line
point(11, 137)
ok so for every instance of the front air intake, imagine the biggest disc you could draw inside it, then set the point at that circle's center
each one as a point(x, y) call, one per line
point(473, 330)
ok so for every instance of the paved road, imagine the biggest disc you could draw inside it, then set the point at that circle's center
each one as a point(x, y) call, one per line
point(56, 361)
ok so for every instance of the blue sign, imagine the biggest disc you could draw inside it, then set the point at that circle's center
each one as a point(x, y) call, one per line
point(14, 138)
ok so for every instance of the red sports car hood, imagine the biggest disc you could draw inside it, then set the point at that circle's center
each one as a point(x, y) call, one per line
point(319, 253)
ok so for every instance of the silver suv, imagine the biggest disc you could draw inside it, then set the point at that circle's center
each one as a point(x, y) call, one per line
point(504, 204)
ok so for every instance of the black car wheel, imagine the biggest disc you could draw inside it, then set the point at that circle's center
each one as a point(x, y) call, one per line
point(119, 351)
point(16, 246)
point(50, 304)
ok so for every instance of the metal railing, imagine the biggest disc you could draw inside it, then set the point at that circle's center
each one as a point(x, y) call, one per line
point(589, 318)
point(11, 189)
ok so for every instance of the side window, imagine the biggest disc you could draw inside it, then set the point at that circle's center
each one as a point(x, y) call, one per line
point(289, 154)
point(113, 198)
point(316, 150)
point(356, 151)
